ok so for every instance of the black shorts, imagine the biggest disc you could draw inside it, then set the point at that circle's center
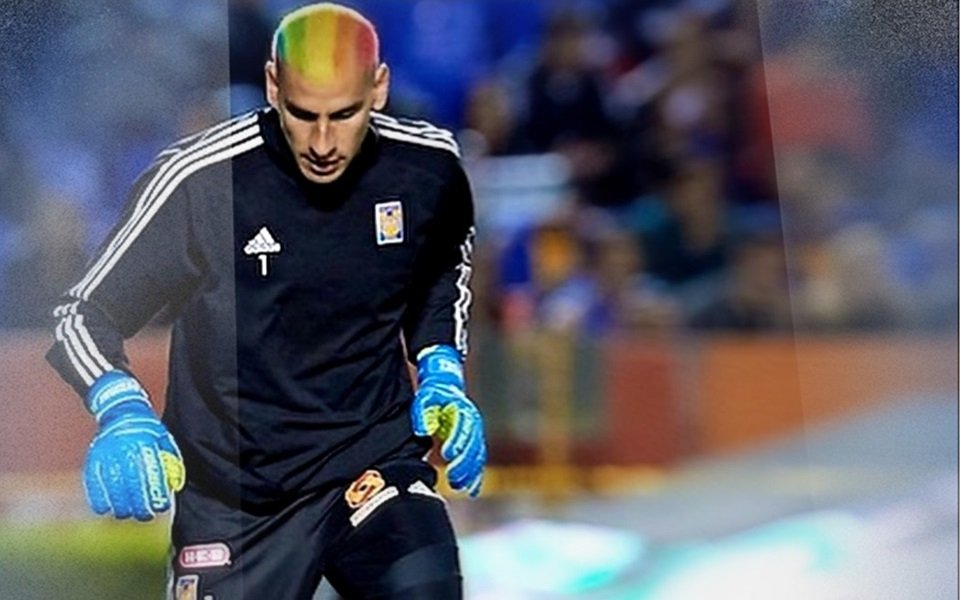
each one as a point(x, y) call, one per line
point(385, 535)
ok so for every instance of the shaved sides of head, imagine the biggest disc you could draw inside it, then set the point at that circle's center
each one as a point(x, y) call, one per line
point(322, 41)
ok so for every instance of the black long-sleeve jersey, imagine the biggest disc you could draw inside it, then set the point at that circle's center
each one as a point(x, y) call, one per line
point(296, 304)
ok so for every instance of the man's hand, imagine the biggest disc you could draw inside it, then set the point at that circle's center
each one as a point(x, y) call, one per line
point(442, 408)
point(133, 466)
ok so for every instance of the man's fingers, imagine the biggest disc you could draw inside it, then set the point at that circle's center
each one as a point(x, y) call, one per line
point(460, 424)
point(137, 481)
point(466, 466)
point(474, 487)
point(173, 469)
point(117, 493)
point(94, 486)
point(425, 412)
point(154, 479)
point(463, 472)
point(426, 421)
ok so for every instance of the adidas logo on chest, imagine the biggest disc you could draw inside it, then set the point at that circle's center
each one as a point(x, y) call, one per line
point(262, 245)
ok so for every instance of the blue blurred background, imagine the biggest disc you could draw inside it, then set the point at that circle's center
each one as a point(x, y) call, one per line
point(716, 291)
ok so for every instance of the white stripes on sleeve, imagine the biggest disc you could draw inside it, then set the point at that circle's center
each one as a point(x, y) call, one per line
point(84, 355)
point(217, 144)
point(414, 132)
point(461, 308)
point(241, 136)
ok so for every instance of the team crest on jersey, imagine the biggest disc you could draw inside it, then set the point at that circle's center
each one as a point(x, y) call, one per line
point(187, 587)
point(389, 220)
point(365, 487)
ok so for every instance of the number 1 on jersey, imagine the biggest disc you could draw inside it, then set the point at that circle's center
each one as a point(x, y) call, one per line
point(263, 264)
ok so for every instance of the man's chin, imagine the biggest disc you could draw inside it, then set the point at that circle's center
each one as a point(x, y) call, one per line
point(315, 177)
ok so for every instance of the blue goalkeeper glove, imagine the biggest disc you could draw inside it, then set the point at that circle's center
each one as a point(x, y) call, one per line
point(441, 408)
point(133, 466)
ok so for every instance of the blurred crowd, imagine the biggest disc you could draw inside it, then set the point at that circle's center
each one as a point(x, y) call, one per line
point(685, 165)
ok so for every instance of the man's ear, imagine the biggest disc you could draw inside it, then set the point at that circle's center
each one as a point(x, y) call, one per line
point(272, 84)
point(381, 86)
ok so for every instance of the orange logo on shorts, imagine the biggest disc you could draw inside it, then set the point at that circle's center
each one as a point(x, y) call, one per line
point(364, 488)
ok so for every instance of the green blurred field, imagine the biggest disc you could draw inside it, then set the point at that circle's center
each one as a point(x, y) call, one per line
point(83, 561)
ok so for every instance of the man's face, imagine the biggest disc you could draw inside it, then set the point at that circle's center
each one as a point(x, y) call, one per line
point(325, 123)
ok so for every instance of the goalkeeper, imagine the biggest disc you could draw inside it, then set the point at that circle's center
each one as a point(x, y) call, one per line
point(309, 251)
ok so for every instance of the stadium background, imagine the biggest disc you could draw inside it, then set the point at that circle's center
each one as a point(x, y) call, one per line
point(716, 289)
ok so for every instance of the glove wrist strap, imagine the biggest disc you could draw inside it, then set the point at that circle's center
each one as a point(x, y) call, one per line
point(112, 390)
point(440, 364)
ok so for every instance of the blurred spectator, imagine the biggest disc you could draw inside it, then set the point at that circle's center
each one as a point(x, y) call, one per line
point(50, 255)
point(813, 193)
point(690, 115)
point(747, 158)
point(536, 261)
point(583, 274)
point(565, 96)
point(627, 21)
point(846, 259)
point(674, 102)
point(610, 293)
point(755, 296)
point(817, 293)
point(566, 113)
point(687, 240)
point(855, 270)
point(490, 122)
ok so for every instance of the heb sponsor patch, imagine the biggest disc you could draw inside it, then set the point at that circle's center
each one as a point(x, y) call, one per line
point(204, 556)
point(365, 487)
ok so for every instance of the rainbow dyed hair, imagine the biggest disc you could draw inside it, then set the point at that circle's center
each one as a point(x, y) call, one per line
point(322, 41)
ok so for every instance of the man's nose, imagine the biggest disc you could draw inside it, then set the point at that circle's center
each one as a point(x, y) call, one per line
point(323, 143)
